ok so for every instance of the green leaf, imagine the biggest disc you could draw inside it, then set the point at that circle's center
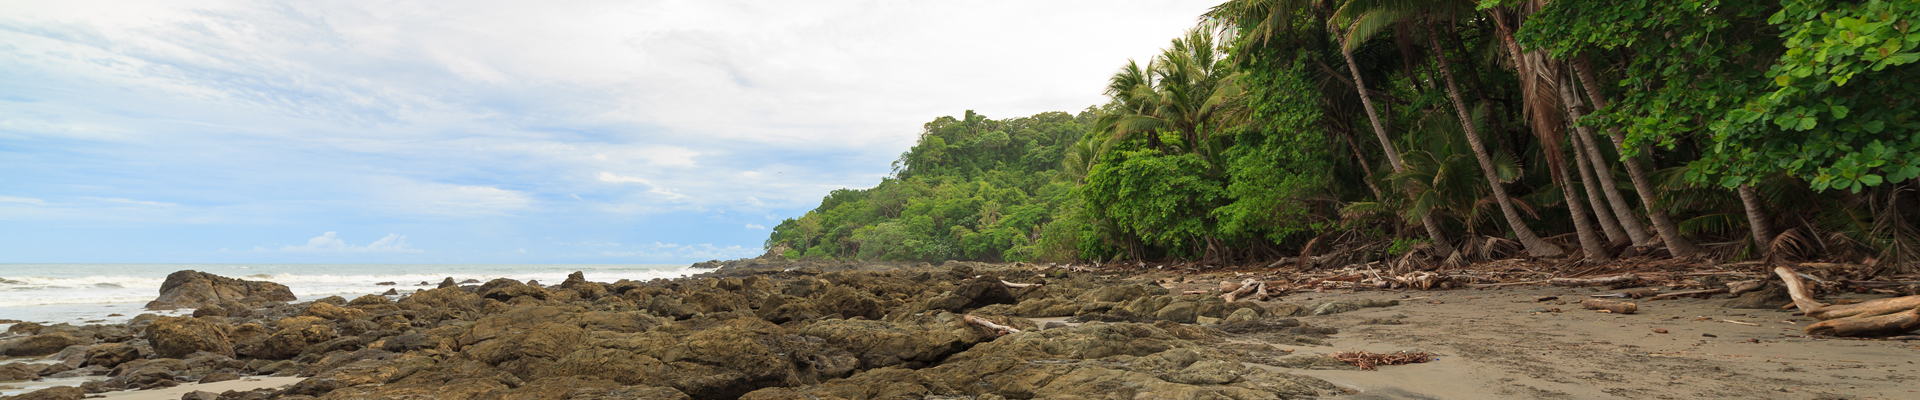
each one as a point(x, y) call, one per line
point(1903, 58)
point(1806, 123)
point(1839, 112)
point(1871, 180)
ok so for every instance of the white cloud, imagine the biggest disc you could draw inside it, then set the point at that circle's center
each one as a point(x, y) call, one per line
point(132, 202)
point(330, 243)
point(27, 200)
point(756, 227)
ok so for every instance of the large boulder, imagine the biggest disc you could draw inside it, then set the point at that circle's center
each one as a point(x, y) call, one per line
point(177, 337)
point(193, 289)
point(53, 393)
point(43, 344)
point(15, 372)
point(110, 355)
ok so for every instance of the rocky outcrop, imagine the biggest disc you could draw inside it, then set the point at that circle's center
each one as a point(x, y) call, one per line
point(15, 372)
point(48, 342)
point(193, 289)
point(177, 337)
point(110, 355)
point(53, 393)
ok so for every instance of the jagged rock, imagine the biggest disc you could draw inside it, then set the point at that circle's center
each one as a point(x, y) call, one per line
point(218, 377)
point(200, 395)
point(883, 344)
point(293, 337)
point(14, 372)
point(504, 289)
point(333, 312)
point(391, 292)
point(25, 328)
point(111, 354)
point(444, 283)
point(43, 344)
point(175, 337)
point(973, 293)
point(53, 393)
point(193, 289)
point(370, 300)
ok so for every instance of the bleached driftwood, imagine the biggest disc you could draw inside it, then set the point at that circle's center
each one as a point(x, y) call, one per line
point(1889, 316)
point(1249, 285)
point(1019, 285)
point(1609, 281)
point(984, 323)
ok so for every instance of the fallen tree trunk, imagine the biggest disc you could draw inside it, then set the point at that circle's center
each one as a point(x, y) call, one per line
point(1609, 281)
point(1803, 298)
point(1889, 316)
point(1616, 307)
point(1878, 325)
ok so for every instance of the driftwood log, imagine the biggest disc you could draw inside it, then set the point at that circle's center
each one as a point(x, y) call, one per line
point(1688, 293)
point(1618, 280)
point(1246, 287)
point(1019, 285)
point(984, 323)
point(1616, 307)
point(1881, 317)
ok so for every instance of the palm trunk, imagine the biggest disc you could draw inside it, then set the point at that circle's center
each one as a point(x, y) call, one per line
point(1597, 161)
point(1393, 155)
point(1608, 224)
point(1535, 246)
point(1361, 159)
point(1756, 218)
point(1669, 231)
point(1589, 241)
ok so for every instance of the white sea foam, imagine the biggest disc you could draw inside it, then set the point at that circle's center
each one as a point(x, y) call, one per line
point(32, 291)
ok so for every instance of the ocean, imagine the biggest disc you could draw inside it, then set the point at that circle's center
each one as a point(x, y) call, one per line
point(99, 293)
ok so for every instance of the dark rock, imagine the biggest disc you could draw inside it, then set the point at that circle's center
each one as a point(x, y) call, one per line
point(330, 311)
point(55, 368)
point(409, 342)
point(334, 300)
point(14, 372)
point(44, 344)
point(200, 395)
point(193, 289)
point(209, 310)
point(111, 354)
point(53, 393)
point(469, 281)
point(383, 284)
point(446, 283)
point(176, 337)
point(25, 328)
point(974, 293)
point(370, 300)
point(504, 289)
point(218, 377)
point(390, 292)
point(295, 334)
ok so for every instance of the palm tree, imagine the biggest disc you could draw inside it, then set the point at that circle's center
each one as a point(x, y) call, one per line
point(1265, 19)
point(1677, 245)
point(1362, 18)
point(1188, 89)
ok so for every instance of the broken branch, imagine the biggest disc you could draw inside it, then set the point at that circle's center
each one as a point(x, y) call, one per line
point(997, 328)
point(1616, 307)
point(1609, 281)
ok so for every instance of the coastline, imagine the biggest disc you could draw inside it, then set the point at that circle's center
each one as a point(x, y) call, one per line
point(771, 328)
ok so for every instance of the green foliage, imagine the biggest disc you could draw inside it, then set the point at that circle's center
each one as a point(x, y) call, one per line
point(1841, 114)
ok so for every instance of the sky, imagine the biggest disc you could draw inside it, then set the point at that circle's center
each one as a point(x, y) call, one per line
point(500, 131)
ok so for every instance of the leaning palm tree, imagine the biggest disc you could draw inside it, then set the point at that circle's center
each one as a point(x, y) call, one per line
point(1265, 19)
point(1360, 19)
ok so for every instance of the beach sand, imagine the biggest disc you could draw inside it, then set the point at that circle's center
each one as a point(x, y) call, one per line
point(174, 393)
point(1496, 344)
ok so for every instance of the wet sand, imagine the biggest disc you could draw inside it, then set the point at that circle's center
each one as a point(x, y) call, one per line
point(1495, 344)
point(174, 393)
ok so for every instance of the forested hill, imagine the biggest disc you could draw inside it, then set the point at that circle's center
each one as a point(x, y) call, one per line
point(1445, 131)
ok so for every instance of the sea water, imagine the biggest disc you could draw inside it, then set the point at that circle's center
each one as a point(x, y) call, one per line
point(105, 293)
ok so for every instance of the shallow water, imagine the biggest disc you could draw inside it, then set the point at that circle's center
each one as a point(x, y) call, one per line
point(90, 293)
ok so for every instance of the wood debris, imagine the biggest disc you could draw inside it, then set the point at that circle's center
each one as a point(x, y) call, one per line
point(1367, 361)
